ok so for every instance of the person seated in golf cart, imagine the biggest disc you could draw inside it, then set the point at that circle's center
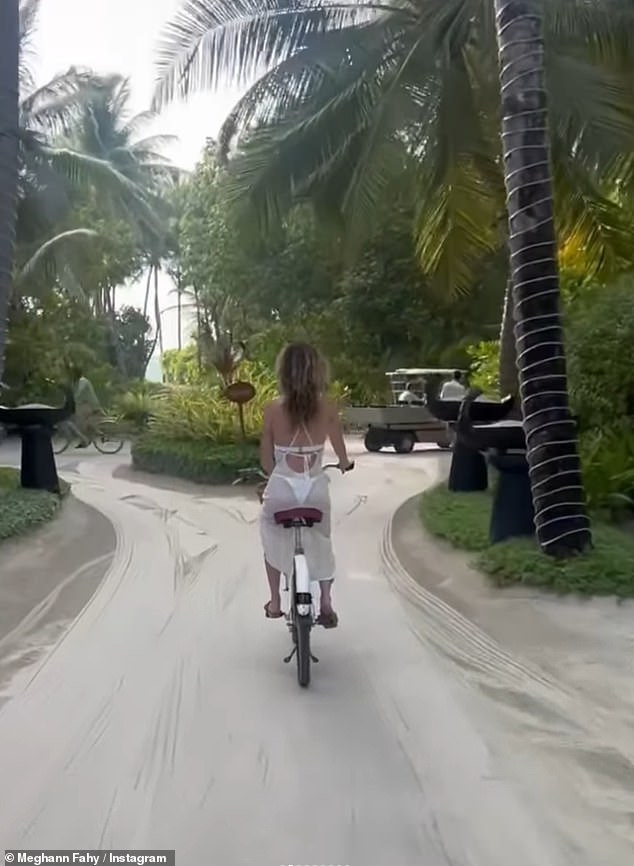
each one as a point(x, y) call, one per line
point(414, 391)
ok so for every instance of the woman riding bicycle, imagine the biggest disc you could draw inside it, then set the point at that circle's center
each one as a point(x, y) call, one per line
point(296, 427)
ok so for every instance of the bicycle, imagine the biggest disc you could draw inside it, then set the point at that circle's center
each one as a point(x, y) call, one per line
point(105, 438)
point(301, 614)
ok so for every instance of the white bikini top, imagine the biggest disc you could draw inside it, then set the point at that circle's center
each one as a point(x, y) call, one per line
point(300, 480)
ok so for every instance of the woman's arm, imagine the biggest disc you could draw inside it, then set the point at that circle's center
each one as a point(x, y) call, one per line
point(335, 434)
point(267, 455)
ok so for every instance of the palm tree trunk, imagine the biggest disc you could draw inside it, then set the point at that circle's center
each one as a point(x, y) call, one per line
point(157, 316)
point(199, 358)
point(157, 306)
point(9, 65)
point(561, 520)
point(146, 300)
point(509, 383)
point(179, 310)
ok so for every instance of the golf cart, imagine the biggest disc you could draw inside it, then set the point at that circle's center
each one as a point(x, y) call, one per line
point(407, 420)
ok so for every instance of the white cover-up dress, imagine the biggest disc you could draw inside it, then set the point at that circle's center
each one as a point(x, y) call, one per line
point(289, 488)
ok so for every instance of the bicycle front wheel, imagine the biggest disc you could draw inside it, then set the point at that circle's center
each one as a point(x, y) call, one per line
point(106, 440)
point(303, 626)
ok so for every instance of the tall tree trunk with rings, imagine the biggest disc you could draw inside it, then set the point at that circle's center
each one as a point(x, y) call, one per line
point(561, 521)
point(9, 120)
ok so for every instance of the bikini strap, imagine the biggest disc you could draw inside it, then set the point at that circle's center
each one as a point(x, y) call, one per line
point(301, 427)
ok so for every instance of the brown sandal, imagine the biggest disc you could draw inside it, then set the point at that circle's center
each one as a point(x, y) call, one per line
point(328, 620)
point(269, 615)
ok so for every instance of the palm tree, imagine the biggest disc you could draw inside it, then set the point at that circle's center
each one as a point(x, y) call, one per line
point(9, 52)
point(57, 170)
point(44, 173)
point(106, 130)
point(560, 517)
point(346, 94)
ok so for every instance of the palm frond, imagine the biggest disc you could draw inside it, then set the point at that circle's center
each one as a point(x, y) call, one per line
point(139, 122)
point(210, 41)
point(29, 11)
point(604, 27)
point(111, 186)
point(456, 227)
point(590, 108)
point(152, 143)
point(597, 228)
point(46, 257)
point(461, 197)
point(294, 82)
point(59, 103)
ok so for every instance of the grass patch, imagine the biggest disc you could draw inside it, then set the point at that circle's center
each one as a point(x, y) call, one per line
point(199, 461)
point(463, 520)
point(21, 510)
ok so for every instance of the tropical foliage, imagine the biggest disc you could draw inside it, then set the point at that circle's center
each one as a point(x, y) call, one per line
point(251, 294)
point(349, 96)
point(91, 211)
point(354, 197)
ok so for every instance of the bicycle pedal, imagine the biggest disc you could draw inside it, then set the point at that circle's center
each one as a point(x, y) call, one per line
point(314, 658)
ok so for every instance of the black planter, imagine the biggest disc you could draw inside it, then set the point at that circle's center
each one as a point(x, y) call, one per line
point(480, 412)
point(512, 515)
point(468, 472)
point(35, 424)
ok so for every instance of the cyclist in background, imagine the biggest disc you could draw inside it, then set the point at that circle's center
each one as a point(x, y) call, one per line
point(296, 427)
point(88, 410)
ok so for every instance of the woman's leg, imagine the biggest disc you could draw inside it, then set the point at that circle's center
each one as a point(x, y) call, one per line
point(325, 604)
point(274, 606)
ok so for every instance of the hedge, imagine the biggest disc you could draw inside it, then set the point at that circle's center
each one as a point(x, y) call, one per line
point(462, 519)
point(199, 461)
point(20, 509)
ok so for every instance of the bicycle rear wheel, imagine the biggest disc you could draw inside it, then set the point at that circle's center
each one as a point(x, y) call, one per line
point(303, 626)
point(106, 440)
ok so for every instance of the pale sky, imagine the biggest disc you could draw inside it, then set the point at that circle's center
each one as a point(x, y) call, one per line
point(120, 36)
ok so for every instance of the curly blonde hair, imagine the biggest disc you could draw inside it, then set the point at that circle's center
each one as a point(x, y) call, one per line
point(302, 374)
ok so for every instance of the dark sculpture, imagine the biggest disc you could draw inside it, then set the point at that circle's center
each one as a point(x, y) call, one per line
point(513, 514)
point(35, 423)
point(481, 412)
point(468, 470)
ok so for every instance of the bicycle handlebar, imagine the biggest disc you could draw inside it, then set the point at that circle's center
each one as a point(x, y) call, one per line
point(348, 468)
point(256, 470)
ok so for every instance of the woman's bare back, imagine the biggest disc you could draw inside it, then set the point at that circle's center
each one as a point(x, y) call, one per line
point(314, 432)
point(281, 431)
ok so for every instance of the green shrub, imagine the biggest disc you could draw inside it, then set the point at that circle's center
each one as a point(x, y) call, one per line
point(463, 520)
point(136, 406)
point(608, 468)
point(21, 510)
point(181, 367)
point(199, 461)
point(599, 341)
point(485, 367)
point(200, 413)
point(203, 414)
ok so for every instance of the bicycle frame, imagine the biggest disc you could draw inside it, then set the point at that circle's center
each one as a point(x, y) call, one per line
point(301, 577)
point(300, 617)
